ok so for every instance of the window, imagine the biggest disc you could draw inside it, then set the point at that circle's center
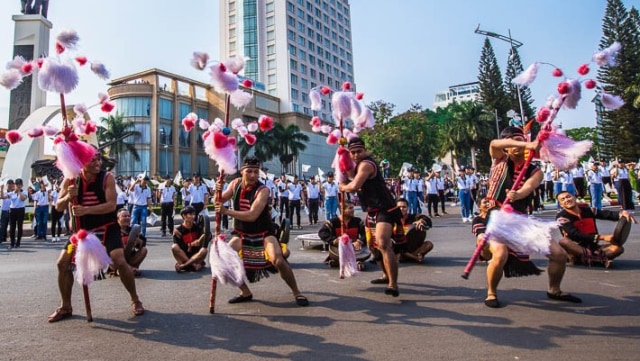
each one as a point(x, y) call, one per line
point(271, 49)
point(185, 163)
point(294, 93)
point(232, 32)
point(270, 7)
point(184, 140)
point(271, 35)
point(134, 106)
point(293, 50)
point(271, 79)
point(304, 84)
point(291, 35)
point(271, 64)
point(302, 55)
point(311, 46)
point(312, 60)
point(291, 20)
point(294, 79)
point(301, 40)
point(312, 73)
point(232, 6)
point(290, 6)
point(293, 64)
point(301, 27)
point(303, 69)
point(165, 109)
point(232, 19)
point(270, 20)
point(232, 46)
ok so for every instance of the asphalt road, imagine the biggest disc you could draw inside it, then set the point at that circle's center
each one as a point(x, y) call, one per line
point(438, 316)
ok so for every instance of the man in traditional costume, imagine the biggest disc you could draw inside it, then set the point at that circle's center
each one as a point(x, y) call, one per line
point(382, 212)
point(508, 155)
point(253, 231)
point(582, 239)
point(189, 243)
point(92, 200)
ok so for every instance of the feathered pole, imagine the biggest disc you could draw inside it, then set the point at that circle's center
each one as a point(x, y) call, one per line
point(58, 73)
point(226, 265)
point(560, 150)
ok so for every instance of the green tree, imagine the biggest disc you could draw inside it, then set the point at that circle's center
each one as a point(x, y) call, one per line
point(265, 147)
point(618, 128)
point(290, 142)
point(382, 111)
point(492, 93)
point(111, 134)
point(514, 68)
point(587, 133)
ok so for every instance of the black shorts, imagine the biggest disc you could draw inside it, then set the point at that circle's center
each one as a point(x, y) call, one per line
point(109, 236)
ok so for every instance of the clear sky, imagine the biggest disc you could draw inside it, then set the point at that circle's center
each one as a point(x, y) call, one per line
point(404, 50)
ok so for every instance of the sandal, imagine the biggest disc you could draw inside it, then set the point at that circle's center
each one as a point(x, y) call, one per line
point(60, 314)
point(392, 292)
point(380, 281)
point(241, 299)
point(492, 302)
point(564, 297)
point(136, 308)
point(302, 301)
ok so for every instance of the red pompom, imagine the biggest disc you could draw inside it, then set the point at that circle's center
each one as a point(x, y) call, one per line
point(247, 83)
point(508, 208)
point(590, 84)
point(543, 115)
point(39, 62)
point(107, 106)
point(27, 68)
point(543, 135)
point(345, 163)
point(563, 88)
point(13, 136)
point(231, 140)
point(325, 90)
point(81, 234)
point(66, 131)
point(188, 124)
point(332, 139)
point(346, 86)
point(315, 121)
point(220, 140)
point(206, 134)
point(73, 137)
point(359, 96)
point(557, 72)
point(59, 48)
point(90, 128)
point(59, 139)
point(35, 132)
point(265, 123)
point(250, 139)
point(73, 240)
point(222, 67)
point(81, 60)
point(583, 69)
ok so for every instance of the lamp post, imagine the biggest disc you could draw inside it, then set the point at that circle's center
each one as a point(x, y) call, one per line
point(514, 45)
point(163, 143)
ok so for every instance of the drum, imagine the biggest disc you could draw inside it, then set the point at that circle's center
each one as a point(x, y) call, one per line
point(415, 238)
point(284, 231)
point(621, 233)
point(131, 242)
point(204, 224)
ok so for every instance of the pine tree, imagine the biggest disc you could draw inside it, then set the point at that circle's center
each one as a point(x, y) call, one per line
point(619, 127)
point(514, 68)
point(492, 93)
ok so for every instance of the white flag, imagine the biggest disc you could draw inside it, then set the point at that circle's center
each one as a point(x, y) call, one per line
point(305, 168)
point(178, 178)
point(320, 173)
point(405, 167)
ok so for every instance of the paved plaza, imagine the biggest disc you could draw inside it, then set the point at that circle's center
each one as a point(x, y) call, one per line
point(438, 316)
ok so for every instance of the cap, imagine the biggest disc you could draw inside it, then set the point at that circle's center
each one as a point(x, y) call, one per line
point(329, 174)
point(19, 181)
point(10, 181)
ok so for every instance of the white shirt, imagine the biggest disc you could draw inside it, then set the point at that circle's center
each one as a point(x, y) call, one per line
point(197, 193)
point(14, 197)
point(283, 189)
point(594, 177)
point(330, 189)
point(432, 186)
point(140, 195)
point(167, 193)
point(313, 191)
point(294, 192)
point(41, 198)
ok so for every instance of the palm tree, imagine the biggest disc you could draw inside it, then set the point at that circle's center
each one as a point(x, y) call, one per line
point(111, 134)
point(289, 143)
point(264, 148)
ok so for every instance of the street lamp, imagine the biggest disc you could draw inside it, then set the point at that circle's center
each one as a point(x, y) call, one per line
point(163, 137)
point(514, 45)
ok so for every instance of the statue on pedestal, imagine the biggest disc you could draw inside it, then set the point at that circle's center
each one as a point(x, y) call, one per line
point(34, 7)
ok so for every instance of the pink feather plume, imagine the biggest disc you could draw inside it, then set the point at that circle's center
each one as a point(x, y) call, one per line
point(91, 257)
point(519, 232)
point(345, 163)
point(240, 98)
point(341, 105)
point(527, 77)
point(72, 155)
point(11, 78)
point(573, 95)
point(562, 151)
point(36, 132)
point(199, 60)
point(226, 264)
point(223, 81)
point(222, 150)
point(58, 75)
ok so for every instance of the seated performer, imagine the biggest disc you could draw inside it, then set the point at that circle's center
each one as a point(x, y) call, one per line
point(92, 201)
point(253, 231)
point(578, 225)
point(189, 243)
point(331, 231)
point(139, 251)
point(508, 160)
point(415, 229)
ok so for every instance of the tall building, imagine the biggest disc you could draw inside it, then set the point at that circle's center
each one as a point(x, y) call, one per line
point(458, 93)
point(293, 46)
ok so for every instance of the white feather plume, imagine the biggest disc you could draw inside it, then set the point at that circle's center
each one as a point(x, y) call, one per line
point(235, 64)
point(608, 55)
point(58, 75)
point(240, 98)
point(528, 76)
point(11, 78)
point(610, 101)
point(316, 99)
point(199, 60)
point(68, 38)
point(519, 232)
